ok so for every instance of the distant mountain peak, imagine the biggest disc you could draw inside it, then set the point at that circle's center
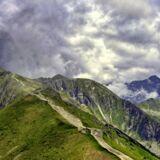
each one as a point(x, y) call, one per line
point(154, 77)
point(144, 89)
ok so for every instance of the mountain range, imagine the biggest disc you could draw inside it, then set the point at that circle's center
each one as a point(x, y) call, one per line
point(143, 89)
point(62, 118)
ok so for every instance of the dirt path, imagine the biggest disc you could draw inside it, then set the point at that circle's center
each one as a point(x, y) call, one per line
point(66, 115)
point(98, 135)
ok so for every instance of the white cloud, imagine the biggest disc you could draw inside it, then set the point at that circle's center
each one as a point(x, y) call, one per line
point(151, 95)
point(9, 7)
point(120, 89)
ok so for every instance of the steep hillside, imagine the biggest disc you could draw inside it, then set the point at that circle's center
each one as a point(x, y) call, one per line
point(30, 129)
point(112, 136)
point(96, 99)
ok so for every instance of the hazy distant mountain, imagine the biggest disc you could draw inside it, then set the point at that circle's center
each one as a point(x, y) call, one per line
point(62, 118)
point(143, 89)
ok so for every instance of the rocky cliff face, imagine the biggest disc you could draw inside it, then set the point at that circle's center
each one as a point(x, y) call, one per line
point(109, 108)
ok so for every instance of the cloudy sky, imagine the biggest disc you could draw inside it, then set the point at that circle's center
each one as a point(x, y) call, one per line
point(105, 40)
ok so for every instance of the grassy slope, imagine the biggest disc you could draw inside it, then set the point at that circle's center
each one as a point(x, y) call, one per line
point(120, 142)
point(125, 144)
point(113, 136)
point(39, 133)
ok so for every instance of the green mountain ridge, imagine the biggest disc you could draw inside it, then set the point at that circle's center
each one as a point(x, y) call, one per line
point(109, 108)
point(43, 122)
